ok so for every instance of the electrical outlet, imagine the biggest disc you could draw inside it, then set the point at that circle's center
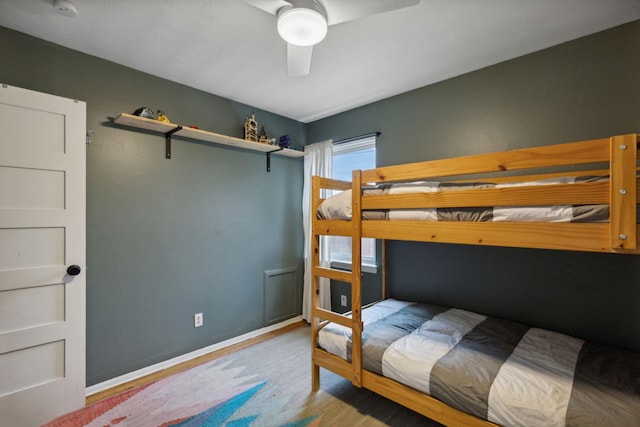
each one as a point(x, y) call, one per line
point(198, 320)
point(343, 300)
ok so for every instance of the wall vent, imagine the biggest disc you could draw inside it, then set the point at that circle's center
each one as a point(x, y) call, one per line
point(281, 299)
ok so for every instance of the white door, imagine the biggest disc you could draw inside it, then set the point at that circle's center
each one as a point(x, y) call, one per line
point(42, 234)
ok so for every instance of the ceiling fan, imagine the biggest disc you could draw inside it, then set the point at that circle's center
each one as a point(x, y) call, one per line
point(303, 23)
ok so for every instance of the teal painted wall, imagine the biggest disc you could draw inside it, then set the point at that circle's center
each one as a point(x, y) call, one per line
point(587, 88)
point(168, 238)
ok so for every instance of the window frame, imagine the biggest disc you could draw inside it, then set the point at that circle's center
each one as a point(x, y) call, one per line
point(342, 261)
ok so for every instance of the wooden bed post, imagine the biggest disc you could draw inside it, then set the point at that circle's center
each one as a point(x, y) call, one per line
point(315, 321)
point(623, 192)
point(356, 281)
point(315, 284)
point(383, 265)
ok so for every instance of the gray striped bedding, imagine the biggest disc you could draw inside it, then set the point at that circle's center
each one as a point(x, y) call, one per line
point(339, 205)
point(494, 369)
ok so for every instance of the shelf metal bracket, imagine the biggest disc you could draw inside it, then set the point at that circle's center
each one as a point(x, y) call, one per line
point(269, 157)
point(167, 139)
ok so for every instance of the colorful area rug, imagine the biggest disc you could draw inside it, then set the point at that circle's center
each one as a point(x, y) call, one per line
point(203, 396)
point(267, 384)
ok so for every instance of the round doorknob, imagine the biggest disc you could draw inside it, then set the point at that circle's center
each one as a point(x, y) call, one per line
point(73, 270)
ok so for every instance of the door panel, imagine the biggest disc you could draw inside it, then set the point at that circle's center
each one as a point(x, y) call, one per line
point(32, 128)
point(42, 232)
point(40, 189)
point(30, 307)
point(31, 247)
point(46, 364)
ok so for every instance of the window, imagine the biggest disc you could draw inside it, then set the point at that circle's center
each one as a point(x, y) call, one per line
point(355, 153)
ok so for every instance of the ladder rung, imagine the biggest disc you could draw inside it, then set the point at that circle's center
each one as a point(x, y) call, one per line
point(333, 317)
point(342, 276)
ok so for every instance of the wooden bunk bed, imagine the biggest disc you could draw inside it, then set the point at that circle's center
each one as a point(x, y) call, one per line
point(616, 158)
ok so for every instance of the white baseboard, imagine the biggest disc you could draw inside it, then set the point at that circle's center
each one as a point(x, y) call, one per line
point(96, 388)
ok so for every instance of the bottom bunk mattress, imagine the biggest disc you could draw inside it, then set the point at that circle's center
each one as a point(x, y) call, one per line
point(494, 369)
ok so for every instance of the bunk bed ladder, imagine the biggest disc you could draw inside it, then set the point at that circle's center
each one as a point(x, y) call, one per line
point(320, 316)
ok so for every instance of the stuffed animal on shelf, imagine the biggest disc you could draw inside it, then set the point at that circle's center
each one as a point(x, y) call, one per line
point(144, 112)
point(163, 117)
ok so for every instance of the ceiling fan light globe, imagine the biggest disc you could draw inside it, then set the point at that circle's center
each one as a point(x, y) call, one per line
point(301, 26)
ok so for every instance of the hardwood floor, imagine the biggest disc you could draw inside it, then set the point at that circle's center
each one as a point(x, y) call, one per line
point(278, 364)
point(189, 364)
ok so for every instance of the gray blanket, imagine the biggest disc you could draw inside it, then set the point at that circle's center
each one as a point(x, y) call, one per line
point(495, 369)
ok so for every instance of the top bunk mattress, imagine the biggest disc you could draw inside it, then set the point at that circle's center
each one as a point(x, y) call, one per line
point(338, 206)
point(495, 369)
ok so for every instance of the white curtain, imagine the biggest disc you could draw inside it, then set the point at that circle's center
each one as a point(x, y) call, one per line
point(318, 160)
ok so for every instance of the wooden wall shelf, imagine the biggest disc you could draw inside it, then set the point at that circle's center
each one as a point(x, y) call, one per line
point(172, 129)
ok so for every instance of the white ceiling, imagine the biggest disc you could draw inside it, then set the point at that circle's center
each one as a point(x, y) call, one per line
point(232, 49)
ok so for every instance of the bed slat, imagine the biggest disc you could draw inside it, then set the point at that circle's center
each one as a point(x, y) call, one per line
point(563, 236)
point(573, 153)
point(586, 193)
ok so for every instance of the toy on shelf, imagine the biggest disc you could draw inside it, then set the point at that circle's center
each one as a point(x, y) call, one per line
point(144, 112)
point(163, 117)
point(285, 141)
point(251, 128)
point(263, 138)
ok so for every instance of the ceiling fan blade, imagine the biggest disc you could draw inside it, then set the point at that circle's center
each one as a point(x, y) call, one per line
point(270, 6)
point(298, 60)
point(349, 10)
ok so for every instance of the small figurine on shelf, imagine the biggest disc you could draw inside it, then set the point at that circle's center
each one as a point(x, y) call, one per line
point(285, 141)
point(144, 112)
point(163, 117)
point(251, 128)
point(263, 139)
